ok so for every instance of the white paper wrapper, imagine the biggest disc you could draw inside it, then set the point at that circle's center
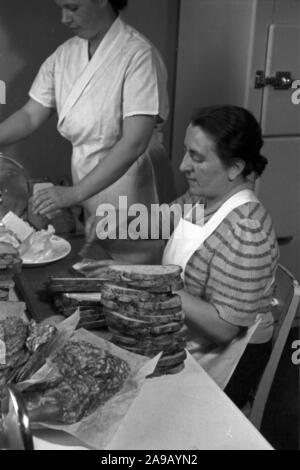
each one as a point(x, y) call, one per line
point(98, 429)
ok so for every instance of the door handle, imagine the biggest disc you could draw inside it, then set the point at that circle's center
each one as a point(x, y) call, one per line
point(285, 240)
point(280, 81)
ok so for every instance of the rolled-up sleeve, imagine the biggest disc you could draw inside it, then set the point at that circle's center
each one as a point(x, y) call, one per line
point(145, 86)
point(43, 87)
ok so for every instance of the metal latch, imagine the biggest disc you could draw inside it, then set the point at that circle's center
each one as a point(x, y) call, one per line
point(281, 80)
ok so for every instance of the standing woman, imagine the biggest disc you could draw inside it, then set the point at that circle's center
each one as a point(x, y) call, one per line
point(108, 85)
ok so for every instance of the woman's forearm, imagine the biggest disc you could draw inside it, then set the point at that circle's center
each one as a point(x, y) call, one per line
point(16, 127)
point(23, 122)
point(137, 132)
point(204, 318)
point(119, 160)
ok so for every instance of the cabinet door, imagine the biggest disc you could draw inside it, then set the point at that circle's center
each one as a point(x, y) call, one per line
point(276, 48)
point(280, 120)
point(280, 116)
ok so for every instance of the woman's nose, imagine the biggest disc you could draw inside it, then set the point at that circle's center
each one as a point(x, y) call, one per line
point(186, 164)
point(65, 17)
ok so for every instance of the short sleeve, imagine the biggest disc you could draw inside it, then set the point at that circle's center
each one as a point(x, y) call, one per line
point(145, 86)
point(241, 271)
point(43, 87)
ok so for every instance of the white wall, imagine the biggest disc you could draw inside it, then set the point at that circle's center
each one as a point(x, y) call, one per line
point(213, 60)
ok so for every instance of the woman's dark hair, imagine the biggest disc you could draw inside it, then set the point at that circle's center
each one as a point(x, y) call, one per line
point(237, 136)
point(118, 5)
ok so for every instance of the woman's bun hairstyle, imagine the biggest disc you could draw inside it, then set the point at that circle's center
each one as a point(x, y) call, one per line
point(237, 136)
point(118, 5)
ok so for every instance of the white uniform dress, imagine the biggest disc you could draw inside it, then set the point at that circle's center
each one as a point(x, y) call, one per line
point(125, 77)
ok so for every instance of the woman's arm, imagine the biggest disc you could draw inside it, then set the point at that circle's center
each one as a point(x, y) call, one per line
point(242, 266)
point(24, 122)
point(203, 317)
point(137, 132)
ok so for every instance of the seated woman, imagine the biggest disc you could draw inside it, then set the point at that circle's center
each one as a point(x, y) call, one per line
point(229, 262)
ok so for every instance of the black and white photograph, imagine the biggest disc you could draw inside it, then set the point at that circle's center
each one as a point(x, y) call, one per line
point(149, 227)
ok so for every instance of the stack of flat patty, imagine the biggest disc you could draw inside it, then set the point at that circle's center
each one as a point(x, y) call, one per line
point(144, 315)
point(83, 294)
point(10, 264)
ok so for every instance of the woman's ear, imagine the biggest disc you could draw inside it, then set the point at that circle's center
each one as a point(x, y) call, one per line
point(236, 170)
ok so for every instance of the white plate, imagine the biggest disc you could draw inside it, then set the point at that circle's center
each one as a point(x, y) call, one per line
point(60, 249)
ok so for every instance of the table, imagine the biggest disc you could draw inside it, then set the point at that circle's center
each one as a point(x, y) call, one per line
point(31, 282)
point(199, 416)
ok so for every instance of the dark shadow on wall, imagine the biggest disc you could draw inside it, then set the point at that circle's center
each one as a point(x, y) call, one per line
point(30, 31)
point(281, 420)
point(158, 20)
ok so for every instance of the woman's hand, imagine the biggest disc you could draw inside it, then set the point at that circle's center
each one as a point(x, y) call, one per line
point(48, 201)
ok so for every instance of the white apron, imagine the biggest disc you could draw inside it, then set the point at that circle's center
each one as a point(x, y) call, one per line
point(187, 238)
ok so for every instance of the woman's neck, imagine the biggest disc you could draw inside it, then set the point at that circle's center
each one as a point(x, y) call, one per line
point(214, 203)
point(97, 39)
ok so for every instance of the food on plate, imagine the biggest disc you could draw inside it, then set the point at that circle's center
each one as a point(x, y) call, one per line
point(39, 245)
point(34, 245)
point(7, 236)
point(86, 377)
point(21, 229)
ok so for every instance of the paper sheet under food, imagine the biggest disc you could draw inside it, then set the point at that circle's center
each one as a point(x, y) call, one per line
point(98, 429)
